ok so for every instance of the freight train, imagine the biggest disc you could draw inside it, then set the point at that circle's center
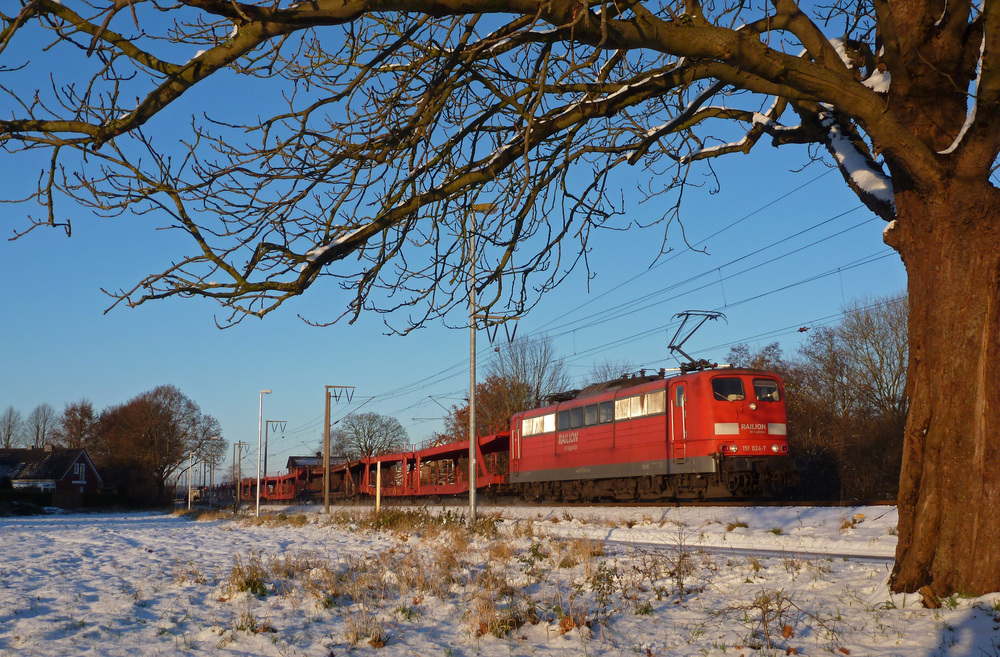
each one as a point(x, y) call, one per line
point(708, 432)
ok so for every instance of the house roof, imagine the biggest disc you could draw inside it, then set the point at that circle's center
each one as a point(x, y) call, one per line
point(40, 464)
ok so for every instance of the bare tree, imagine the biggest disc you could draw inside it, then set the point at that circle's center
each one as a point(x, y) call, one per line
point(533, 362)
point(40, 424)
point(403, 114)
point(874, 331)
point(497, 399)
point(77, 426)
point(210, 447)
point(363, 435)
point(519, 377)
point(608, 370)
point(760, 357)
point(825, 373)
point(11, 428)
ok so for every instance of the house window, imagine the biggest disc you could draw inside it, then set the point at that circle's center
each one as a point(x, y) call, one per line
point(79, 472)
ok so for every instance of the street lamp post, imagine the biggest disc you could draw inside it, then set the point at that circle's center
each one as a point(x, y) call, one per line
point(211, 472)
point(260, 440)
point(190, 467)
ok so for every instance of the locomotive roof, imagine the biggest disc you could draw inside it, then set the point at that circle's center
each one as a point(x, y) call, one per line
point(631, 380)
point(626, 381)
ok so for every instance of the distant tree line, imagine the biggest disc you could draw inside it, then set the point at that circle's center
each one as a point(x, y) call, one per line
point(846, 397)
point(136, 446)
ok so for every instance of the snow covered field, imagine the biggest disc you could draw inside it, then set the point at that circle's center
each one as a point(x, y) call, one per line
point(531, 581)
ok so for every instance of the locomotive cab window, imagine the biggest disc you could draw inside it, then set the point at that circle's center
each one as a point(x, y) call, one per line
point(766, 390)
point(728, 388)
point(590, 415)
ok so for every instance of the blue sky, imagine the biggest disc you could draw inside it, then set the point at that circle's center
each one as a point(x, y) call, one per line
point(60, 347)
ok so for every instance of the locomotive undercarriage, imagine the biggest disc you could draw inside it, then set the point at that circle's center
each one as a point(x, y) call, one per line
point(744, 478)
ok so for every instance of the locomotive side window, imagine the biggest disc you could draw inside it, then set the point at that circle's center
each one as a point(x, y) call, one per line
point(606, 412)
point(548, 422)
point(766, 390)
point(728, 388)
point(531, 426)
point(576, 417)
point(590, 415)
point(638, 405)
point(562, 420)
point(680, 396)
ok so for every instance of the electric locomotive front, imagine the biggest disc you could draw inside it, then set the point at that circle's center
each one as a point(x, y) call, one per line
point(738, 417)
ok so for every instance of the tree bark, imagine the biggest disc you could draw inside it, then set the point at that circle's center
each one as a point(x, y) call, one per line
point(949, 530)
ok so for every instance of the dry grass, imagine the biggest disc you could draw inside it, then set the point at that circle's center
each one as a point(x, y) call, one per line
point(249, 574)
point(204, 514)
point(518, 576)
point(187, 572)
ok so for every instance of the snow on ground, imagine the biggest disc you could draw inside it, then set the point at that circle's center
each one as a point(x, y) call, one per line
point(532, 581)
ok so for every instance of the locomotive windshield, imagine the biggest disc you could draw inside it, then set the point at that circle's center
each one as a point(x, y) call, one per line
point(728, 388)
point(766, 390)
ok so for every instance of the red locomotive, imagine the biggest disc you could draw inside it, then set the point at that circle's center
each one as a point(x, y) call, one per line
point(708, 432)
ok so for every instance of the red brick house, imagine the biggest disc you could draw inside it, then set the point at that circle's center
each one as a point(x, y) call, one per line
point(49, 469)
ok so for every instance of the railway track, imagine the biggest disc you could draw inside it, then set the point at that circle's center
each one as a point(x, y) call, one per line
point(501, 502)
point(744, 552)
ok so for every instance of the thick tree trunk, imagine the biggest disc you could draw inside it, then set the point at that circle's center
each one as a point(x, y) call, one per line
point(949, 527)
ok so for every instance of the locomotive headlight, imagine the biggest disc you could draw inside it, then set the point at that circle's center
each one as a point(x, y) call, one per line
point(723, 448)
point(734, 448)
point(753, 406)
point(775, 448)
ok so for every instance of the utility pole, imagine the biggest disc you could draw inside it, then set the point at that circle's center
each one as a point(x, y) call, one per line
point(277, 424)
point(238, 473)
point(336, 392)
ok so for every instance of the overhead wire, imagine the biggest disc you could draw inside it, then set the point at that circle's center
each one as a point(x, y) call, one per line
point(609, 314)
